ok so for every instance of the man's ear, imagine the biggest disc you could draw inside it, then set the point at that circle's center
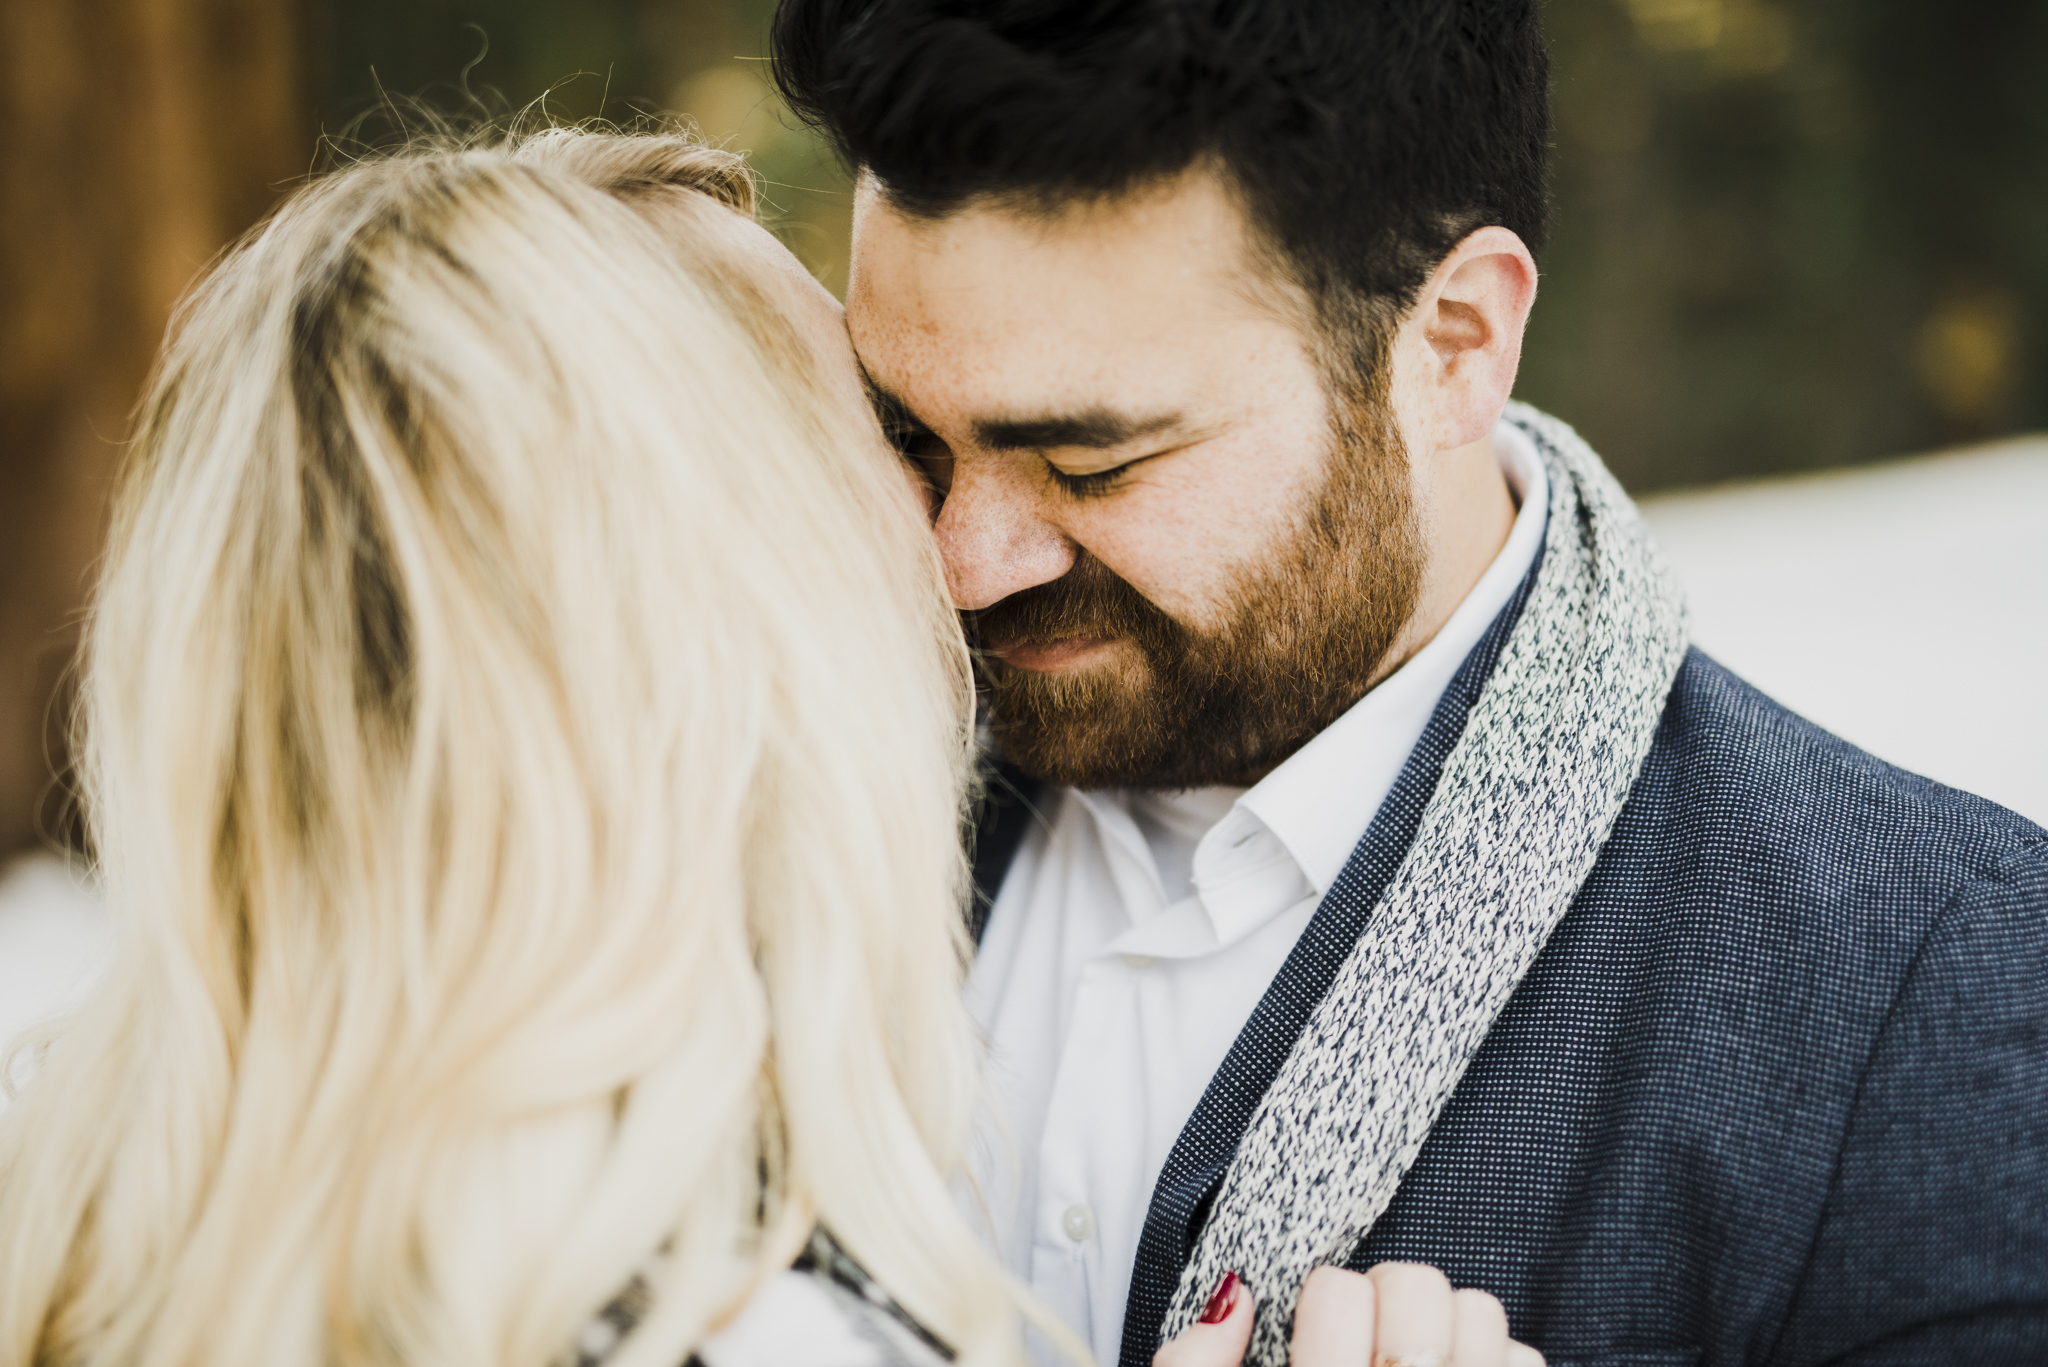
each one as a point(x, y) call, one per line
point(1458, 348)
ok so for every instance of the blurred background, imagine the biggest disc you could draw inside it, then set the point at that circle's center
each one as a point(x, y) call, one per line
point(1792, 236)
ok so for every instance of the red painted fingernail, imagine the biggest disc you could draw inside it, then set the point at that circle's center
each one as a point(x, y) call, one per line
point(1222, 1300)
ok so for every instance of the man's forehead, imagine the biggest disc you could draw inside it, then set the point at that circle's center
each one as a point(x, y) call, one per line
point(1034, 314)
point(1180, 249)
point(988, 365)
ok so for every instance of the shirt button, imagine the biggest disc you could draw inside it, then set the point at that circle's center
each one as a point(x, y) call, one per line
point(1078, 1221)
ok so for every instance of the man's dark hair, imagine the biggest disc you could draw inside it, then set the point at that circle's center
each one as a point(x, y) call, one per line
point(1365, 137)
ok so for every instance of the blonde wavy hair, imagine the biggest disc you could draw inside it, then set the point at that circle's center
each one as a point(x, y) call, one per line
point(526, 735)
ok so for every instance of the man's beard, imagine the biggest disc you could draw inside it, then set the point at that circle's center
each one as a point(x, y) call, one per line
point(1309, 626)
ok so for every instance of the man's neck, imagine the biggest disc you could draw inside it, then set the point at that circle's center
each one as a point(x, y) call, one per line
point(1467, 511)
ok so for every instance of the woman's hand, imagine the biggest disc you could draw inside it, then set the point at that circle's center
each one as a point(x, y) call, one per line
point(1397, 1315)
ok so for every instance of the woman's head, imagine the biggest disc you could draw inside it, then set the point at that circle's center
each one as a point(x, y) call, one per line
point(526, 732)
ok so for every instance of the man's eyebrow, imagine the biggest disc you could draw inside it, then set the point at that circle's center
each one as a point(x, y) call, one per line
point(888, 407)
point(1093, 428)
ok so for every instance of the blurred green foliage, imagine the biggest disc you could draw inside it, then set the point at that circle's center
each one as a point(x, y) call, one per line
point(1788, 233)
point(578, 59)
point(1791, 235)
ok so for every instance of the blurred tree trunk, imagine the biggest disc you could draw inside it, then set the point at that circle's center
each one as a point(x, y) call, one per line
point(142, 135)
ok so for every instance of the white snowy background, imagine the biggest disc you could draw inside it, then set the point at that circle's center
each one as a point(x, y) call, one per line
point(1902, 606)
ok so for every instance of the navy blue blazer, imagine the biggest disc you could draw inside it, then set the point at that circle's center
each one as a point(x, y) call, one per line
point(1775, 1091)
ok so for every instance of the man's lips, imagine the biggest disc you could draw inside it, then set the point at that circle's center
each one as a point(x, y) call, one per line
point(1068, 652)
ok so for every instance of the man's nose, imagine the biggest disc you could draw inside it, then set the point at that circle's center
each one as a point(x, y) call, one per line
point(993, 535)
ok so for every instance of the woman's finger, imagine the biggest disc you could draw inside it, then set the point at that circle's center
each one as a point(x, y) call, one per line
point(1416, 1324)
point(1480, 1330)
point(1334, 1320)
point(1220, 1337)
point(1522, 1355)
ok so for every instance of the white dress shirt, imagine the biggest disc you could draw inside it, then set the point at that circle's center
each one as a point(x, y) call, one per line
point(1134, 935)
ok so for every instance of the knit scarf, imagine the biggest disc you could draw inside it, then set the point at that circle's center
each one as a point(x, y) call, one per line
point(1527, 798)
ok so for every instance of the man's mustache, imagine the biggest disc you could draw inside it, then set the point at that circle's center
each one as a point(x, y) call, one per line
point(1088, 600)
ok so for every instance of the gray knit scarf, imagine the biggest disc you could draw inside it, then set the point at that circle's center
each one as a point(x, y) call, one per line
point(1527, 798)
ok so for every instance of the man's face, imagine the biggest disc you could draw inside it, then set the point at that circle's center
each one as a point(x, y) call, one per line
point(1182, 548)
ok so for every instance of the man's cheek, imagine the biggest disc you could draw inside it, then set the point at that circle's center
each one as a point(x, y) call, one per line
point(1187, 554)
point(1185, 581)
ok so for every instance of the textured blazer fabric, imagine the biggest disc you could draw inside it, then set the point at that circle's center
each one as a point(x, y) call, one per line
point(1774, 1092)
